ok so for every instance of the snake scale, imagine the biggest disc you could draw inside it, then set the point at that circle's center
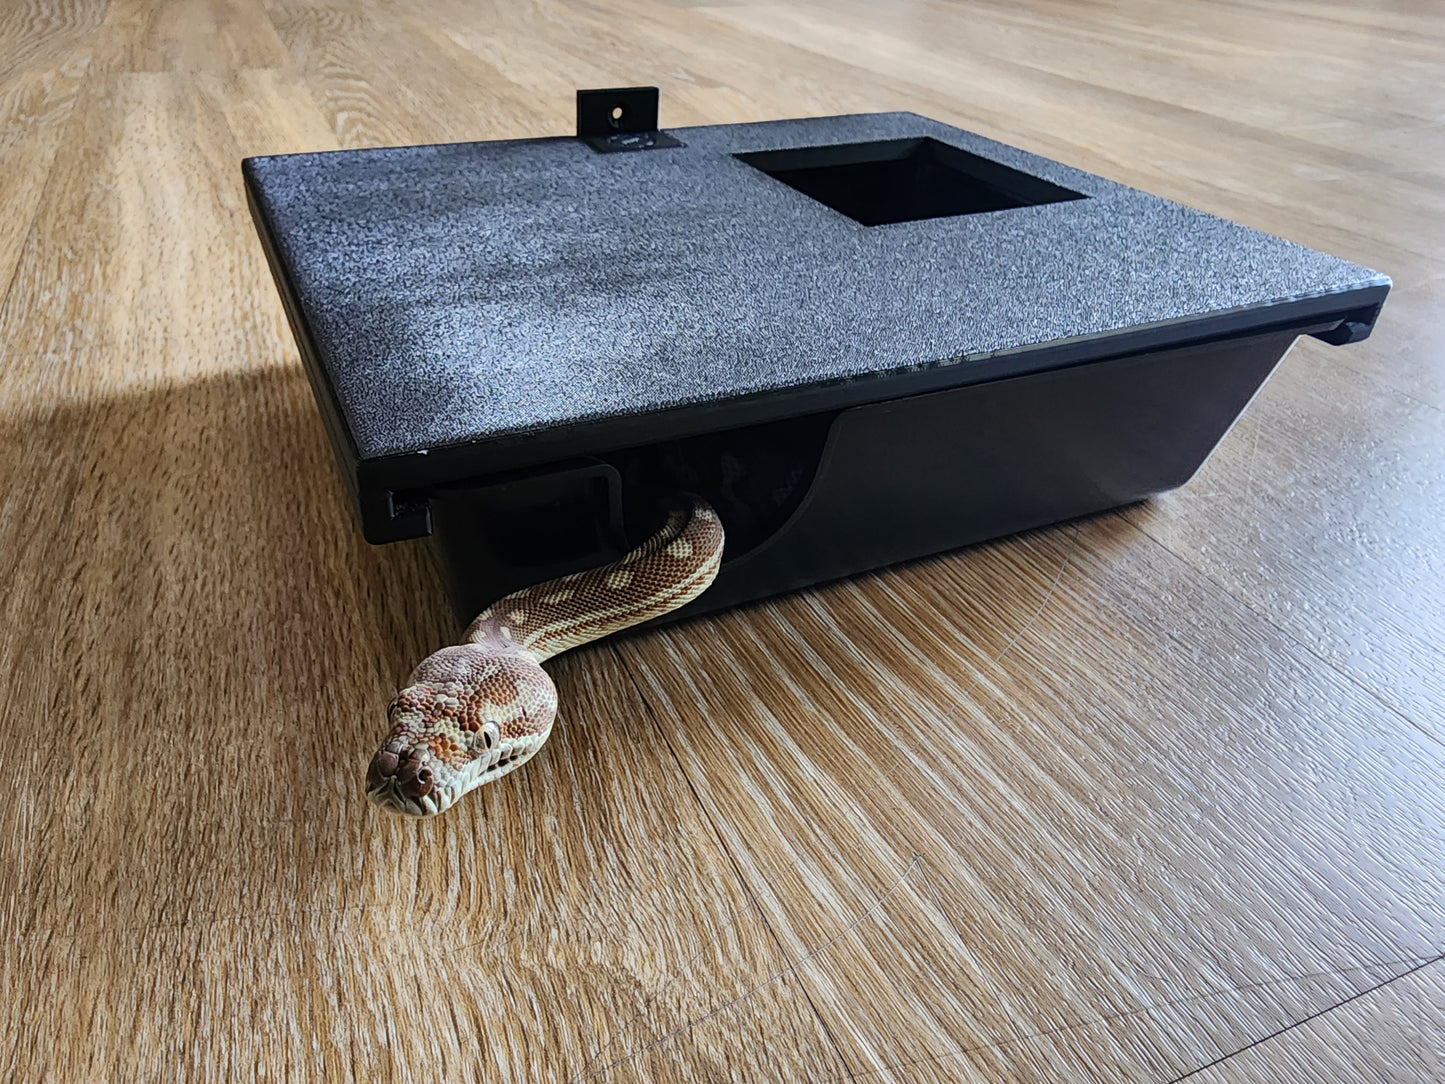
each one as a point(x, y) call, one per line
point(474, 712)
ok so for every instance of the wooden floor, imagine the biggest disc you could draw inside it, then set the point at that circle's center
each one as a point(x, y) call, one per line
point(1153, 796)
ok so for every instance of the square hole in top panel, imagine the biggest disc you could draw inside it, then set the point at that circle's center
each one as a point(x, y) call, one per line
point(904, 180)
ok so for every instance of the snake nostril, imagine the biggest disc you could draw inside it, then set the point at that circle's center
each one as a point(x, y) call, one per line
point(415, 782)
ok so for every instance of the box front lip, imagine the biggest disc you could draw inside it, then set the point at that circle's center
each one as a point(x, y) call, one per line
point(475, 460)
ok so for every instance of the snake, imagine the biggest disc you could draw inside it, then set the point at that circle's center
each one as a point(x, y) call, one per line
point(474, 712)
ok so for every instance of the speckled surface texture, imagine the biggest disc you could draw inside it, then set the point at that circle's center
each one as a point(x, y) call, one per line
point(471, 292)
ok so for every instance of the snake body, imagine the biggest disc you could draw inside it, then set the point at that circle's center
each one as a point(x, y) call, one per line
point(474, 712)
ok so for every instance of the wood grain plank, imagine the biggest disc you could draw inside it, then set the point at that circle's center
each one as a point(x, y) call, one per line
point(33, 111)
point(138, 271)
point(189, 36)
point(382, 78)
point(45, 36)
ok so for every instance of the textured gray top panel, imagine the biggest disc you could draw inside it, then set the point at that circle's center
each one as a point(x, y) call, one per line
point(471, 292)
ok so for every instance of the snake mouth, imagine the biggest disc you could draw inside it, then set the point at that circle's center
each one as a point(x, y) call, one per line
point(501, 765)
point(409, 783)
point(413, 786)
point(506, 758)
point(389, 796)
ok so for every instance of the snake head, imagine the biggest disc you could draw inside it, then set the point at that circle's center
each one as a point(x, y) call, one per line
point(467, 718)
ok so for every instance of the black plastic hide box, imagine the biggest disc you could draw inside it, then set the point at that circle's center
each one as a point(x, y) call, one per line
point(862, 338)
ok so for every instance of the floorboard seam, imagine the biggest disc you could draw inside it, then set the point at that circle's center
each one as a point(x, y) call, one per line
point(1313, 1016)
point(1416, 962)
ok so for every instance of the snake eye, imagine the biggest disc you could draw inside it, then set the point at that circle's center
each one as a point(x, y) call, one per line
point(490, 734)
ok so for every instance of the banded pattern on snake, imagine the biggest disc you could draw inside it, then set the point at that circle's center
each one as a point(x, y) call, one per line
point(476, 711)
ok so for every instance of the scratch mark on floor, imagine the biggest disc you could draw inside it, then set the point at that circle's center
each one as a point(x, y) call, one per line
point(789, 970)
point(965, 952)
point(1249, 467)
point(732, 860)
point(650, 998)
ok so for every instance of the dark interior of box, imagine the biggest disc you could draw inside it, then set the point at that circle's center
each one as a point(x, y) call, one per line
point(904, 180)
point(755, 477)
point(529, 527)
